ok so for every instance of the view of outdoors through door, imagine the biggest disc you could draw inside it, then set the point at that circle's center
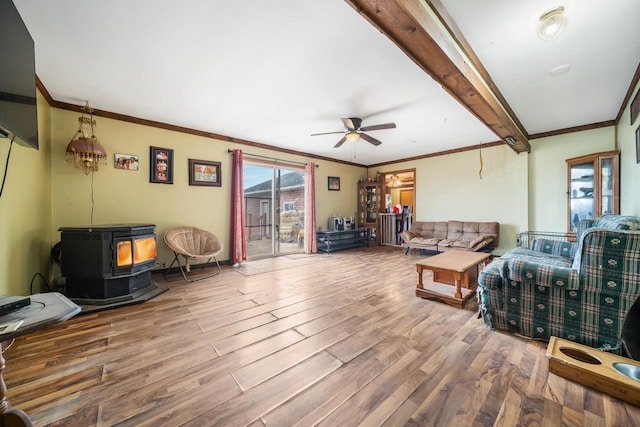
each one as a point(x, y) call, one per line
point(274, 210)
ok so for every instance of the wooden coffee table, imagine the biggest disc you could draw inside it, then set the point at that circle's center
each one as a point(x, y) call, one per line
point(455, 276)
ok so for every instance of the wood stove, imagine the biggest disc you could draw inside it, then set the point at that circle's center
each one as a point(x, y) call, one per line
point(107, 262)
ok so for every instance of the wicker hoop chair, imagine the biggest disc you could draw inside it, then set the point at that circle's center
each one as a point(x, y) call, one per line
point(192, 244)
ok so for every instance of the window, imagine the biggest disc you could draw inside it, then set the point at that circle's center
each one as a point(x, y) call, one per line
point(289, 206)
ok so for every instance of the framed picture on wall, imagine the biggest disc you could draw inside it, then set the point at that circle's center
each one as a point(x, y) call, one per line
point(161, 169)
point(204, 172)
point(333, 183)
point(125, 161)
point(635, 107)
point(638, 144)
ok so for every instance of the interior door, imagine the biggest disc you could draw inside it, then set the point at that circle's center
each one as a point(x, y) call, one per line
point(406, 197)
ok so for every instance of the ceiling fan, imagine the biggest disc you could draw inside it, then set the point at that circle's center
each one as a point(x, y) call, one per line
point(354, 132)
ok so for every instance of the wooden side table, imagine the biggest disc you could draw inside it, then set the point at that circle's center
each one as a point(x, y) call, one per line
point(45, 310)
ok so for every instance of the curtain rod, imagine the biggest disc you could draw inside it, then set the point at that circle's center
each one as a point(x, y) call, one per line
point(271, 158)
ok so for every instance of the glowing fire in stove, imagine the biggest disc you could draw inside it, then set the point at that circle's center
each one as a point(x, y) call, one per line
point(143, 250)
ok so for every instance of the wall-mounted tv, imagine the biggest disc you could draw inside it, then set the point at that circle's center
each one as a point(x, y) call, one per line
point(18, 109)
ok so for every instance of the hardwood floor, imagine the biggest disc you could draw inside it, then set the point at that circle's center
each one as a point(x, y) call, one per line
point(330, 340)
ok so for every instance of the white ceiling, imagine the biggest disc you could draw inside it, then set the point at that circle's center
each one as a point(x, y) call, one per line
point(275, 72)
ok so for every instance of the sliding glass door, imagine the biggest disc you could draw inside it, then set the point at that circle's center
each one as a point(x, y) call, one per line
point(274, 210)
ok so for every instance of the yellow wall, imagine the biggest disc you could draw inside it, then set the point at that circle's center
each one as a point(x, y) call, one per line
point(44, 192)
point(548, 172)
point(450, 188)
point(123, 196)
point(629, 168)
point(25, 211)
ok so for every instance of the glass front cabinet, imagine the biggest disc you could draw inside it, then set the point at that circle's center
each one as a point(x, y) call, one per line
point(369, 202)
point(593, 187)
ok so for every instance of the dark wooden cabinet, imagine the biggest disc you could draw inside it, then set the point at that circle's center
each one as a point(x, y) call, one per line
point(369, 207)
point(593, 186)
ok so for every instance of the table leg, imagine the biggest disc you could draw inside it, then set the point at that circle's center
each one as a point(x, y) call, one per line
point(457, 279)
point(419, 269)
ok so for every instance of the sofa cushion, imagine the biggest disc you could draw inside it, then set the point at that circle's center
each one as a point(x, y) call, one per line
point(555, 247)
point(455, 231)
point(461, 244)
point(421, 241)
point(552, 273)
point(446, 242)
point(485, 241)
point(470, 231)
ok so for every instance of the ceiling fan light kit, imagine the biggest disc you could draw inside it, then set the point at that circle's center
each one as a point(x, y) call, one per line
point(352, 136)
point(552, 22)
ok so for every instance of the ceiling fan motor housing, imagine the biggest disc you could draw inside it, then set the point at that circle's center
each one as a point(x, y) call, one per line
point(352, 123)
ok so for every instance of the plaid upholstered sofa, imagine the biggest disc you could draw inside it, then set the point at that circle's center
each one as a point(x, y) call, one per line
point(580, 291)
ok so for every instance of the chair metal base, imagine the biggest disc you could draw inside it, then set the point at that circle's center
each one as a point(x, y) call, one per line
point(184, 274)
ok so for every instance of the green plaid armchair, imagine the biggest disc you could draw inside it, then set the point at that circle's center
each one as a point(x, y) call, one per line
point(577, 291)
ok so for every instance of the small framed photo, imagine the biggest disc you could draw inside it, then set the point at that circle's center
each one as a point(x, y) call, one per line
point(204, 172)
point(638, 144)
point(333, 183)
point(125, 161)
point(635, 107)
point(161, 169)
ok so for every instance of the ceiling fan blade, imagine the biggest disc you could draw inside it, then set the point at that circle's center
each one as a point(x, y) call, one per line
point(344, 138)
point(378, 127)
point(370, 139)
point(352, 123)
point(326, 133)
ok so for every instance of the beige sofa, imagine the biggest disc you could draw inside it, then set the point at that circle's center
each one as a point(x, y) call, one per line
point(441, 236)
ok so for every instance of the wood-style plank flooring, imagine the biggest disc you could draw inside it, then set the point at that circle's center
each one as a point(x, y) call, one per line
point(330, 340)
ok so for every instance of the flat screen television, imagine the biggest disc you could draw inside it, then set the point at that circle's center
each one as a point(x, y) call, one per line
point(18, 109)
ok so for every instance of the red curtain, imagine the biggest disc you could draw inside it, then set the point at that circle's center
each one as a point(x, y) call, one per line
point(310, 244)
point(238, 245)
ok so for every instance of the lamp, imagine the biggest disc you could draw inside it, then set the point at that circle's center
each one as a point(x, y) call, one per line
point(552, 23)
point(84, 149)
point(352, 136)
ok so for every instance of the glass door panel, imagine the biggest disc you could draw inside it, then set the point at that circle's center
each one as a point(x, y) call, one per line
point(258, 210)
point(289, 196)
point(274, 210)
point(607, 187)
point(582, 202)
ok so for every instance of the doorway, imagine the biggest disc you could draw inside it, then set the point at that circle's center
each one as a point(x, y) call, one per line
point(274, 210)
point(399, 191)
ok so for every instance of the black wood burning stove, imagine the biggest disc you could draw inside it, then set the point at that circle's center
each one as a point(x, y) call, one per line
point(107, 262)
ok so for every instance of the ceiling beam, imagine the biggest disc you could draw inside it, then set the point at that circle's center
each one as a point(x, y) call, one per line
point(418, 30)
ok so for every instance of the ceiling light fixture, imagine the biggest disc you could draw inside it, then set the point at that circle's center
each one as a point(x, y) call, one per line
point(352, 136)
point(510, 140)
point(85, 150)
point(552, 22)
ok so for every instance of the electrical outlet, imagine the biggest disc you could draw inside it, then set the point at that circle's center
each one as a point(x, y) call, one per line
point(164, 265)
